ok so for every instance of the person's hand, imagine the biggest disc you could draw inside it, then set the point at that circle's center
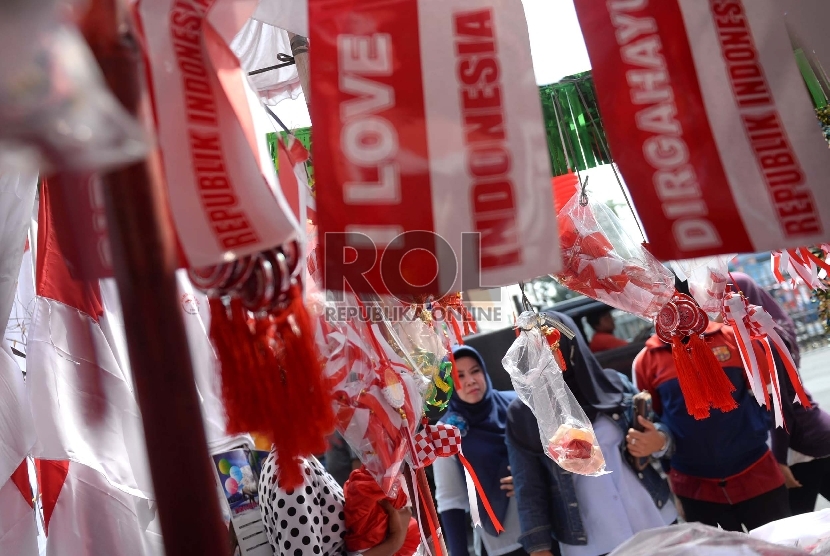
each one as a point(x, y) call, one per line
point(398, 525)
point(507, 485)
point(789, 480)
point(643, 444)
point(542, 553)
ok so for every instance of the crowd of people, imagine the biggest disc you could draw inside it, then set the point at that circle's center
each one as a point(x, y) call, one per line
point(734, 470)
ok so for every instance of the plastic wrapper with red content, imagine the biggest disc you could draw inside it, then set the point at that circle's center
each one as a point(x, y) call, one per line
point(602, 261)
point(694, 539)
point(428, 131)
point(707, 278)
point(565, 430)
point(366, 376)
point(55, 109)
point(373, 386)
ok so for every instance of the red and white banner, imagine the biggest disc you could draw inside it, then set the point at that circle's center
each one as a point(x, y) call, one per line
point(428, 123)
point(223, 190)
point(711, 125)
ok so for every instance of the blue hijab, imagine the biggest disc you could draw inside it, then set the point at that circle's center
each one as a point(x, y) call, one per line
point(483, 427)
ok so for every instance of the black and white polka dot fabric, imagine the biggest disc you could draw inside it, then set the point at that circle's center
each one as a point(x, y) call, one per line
point(305, 521)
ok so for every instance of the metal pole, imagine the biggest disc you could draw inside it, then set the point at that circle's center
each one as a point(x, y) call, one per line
point(145, 260)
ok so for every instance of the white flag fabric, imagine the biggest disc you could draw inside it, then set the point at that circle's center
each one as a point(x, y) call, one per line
point(91, 518)
point(257, 45)
point(17, 196)
point(96, 489)
point(18, 528)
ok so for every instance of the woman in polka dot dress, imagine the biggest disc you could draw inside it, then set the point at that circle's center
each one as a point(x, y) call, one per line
point(309, 520)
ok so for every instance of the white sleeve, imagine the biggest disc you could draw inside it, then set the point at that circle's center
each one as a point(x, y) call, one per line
point(450, 488)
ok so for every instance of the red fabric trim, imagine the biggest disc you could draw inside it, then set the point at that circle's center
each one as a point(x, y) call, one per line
point(53, 279)
point(51, 475)
point(20, 478)
point(762, 476)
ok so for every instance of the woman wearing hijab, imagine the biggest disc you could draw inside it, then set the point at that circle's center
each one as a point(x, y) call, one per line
point(589, 516)
point(803, 448)
point(480, 413)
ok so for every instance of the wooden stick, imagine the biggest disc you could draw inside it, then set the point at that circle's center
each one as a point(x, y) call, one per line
point(299, 49)
point(145, 260)
point(427, 506)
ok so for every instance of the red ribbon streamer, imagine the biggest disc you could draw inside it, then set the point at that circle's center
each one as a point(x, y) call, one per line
point(480, 491)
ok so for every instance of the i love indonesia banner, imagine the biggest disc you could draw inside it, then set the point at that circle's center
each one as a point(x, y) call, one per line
point(429, 146)
point(710, 123)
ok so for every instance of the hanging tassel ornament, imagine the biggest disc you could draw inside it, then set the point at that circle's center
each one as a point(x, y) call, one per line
point(681, 324)
point(270, 367)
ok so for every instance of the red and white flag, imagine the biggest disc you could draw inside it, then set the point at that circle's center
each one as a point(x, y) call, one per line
point(710, 123)
point(223, 191)
point(18, 528)
point(93, 474)
point(427, 127)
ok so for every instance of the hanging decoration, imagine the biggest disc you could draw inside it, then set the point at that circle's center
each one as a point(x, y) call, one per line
point(753, 325)
point(424, 341)
point(270, 367)
point(603, 262)
point(802, 265)
point(565, 430)
point(57, 113)
point(723, 149)
point(443, 441)
point(573, 141)
point(223, 192)
point(389, 137)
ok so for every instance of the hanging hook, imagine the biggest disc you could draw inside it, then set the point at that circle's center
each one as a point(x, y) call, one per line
point(526, 305)
point(583, 195)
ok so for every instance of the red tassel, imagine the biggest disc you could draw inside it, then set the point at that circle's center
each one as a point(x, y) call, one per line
point(231, 338)
point(305, 393)
point(693, 393)
point(271, 378)
point(717, 385)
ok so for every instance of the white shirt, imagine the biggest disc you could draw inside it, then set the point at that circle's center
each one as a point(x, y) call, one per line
point(451, 494)
point(614, 507)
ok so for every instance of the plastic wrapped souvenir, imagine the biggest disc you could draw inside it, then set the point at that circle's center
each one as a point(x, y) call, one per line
point(708, 278)
point(55, 108)
point(601, 260)
point(693, 539)
point(565, 430)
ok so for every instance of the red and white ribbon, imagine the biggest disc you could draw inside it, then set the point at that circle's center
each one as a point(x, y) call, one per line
point(735, 313)
point(753, 323)
point(442, 440)
point(801, 265)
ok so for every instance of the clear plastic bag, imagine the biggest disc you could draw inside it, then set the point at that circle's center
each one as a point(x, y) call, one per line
point(566, 432)
point(372, 382)
point(372, 386)
point(602, 261)
point(55, 109)
point(810, 532)
point(693, 539)
point(707, 277)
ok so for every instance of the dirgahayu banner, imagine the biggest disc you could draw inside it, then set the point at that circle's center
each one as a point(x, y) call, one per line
point(709, 120)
